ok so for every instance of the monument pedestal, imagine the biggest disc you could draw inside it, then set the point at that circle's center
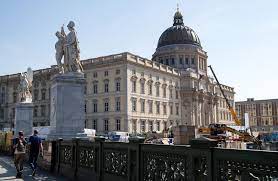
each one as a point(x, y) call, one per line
point(24, 118)
point(67, 119)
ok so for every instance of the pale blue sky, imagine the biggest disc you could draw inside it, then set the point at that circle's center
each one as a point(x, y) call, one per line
point(240, 36)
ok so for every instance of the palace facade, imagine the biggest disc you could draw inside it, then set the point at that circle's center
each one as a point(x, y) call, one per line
point(125, 92)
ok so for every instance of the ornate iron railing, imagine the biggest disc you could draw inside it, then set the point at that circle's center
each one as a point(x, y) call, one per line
point(134, 161)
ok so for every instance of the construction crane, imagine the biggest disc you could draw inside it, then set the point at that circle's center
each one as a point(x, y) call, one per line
point(215, 130)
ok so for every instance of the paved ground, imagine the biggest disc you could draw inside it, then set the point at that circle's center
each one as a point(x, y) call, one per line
point(8, 172)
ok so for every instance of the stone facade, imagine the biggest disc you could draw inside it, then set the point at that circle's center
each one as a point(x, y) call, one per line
point(125, 92)
point(262, 113)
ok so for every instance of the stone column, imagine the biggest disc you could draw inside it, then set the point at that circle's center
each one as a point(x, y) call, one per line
point(24, 118)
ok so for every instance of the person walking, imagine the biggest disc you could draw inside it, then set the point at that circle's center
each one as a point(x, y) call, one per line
point(19, 153)
point(35, 148)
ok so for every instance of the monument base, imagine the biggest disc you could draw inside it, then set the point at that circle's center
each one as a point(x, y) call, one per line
point(67, 102)
point(24, 118)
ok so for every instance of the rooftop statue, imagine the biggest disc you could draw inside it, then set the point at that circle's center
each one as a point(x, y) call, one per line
point(25, 85)
point(67, 47)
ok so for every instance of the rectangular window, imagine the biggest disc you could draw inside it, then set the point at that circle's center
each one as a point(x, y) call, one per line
point(134, 126)
point(43, 110)
point(143, 126)
point(134, 105)
point(150, 107)
point(157, 91)
point(43, 94)
point(95, 74)
point(157, 126)
point(118, 72)
point(173, 61)
point(142, 88)
point(177, 109)
point(1, 113)
point(164, 92)
point(85, 107)
point(106, 86)
point(157, 108)
point(150, 126)
point(95, 88)
point(106, 107)
point(142, 106)
point(95, 106)
point(171, 109)
point(118, 86)
point(106, 73)
point(106, 124)
point(181, 62)
point(164, 109)
point(118, 104)
point(186, 61)
point(150, 89)
point(171, 93)
point(95, 124)
point(118, 124)
point(133, 86)
point(177, 94)
point(192, 61)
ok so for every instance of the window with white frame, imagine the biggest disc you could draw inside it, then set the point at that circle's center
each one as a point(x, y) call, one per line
point(106, 125)
point(106, 106)
point(142, 105)
point(171, 93)
point(157, 125)
point(118, 124)
point(171, 109)
point(164, 109)
point(143, 126)
point(118, 104)
point(95, 106)
point(150, 126)
point(95, 124)
point(133, 102)
point(106, 73)
point(157, 107)
point(150, 107)
point(118, 86)
point(106, 87)
point(134, 126)
point(95, 87)
point(150, 88)
point(157, 90)
point(133, 86)
point(142, 87)
point(95, 74)
point(164, 92)
point(177, 109)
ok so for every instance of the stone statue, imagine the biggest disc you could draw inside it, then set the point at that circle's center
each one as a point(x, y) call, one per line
point(67, 47)
point(59, 46)
point(25, 85)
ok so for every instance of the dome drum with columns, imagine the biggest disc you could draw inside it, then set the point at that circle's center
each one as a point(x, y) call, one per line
point(180, 47)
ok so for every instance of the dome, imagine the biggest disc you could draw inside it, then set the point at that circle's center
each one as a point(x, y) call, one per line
point(178, 34)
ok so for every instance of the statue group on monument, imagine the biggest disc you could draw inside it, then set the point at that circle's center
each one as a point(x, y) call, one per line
point(67, 47)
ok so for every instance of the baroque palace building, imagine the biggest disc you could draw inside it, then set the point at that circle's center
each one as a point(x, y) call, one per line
point(125, 92)
point(263, 114)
